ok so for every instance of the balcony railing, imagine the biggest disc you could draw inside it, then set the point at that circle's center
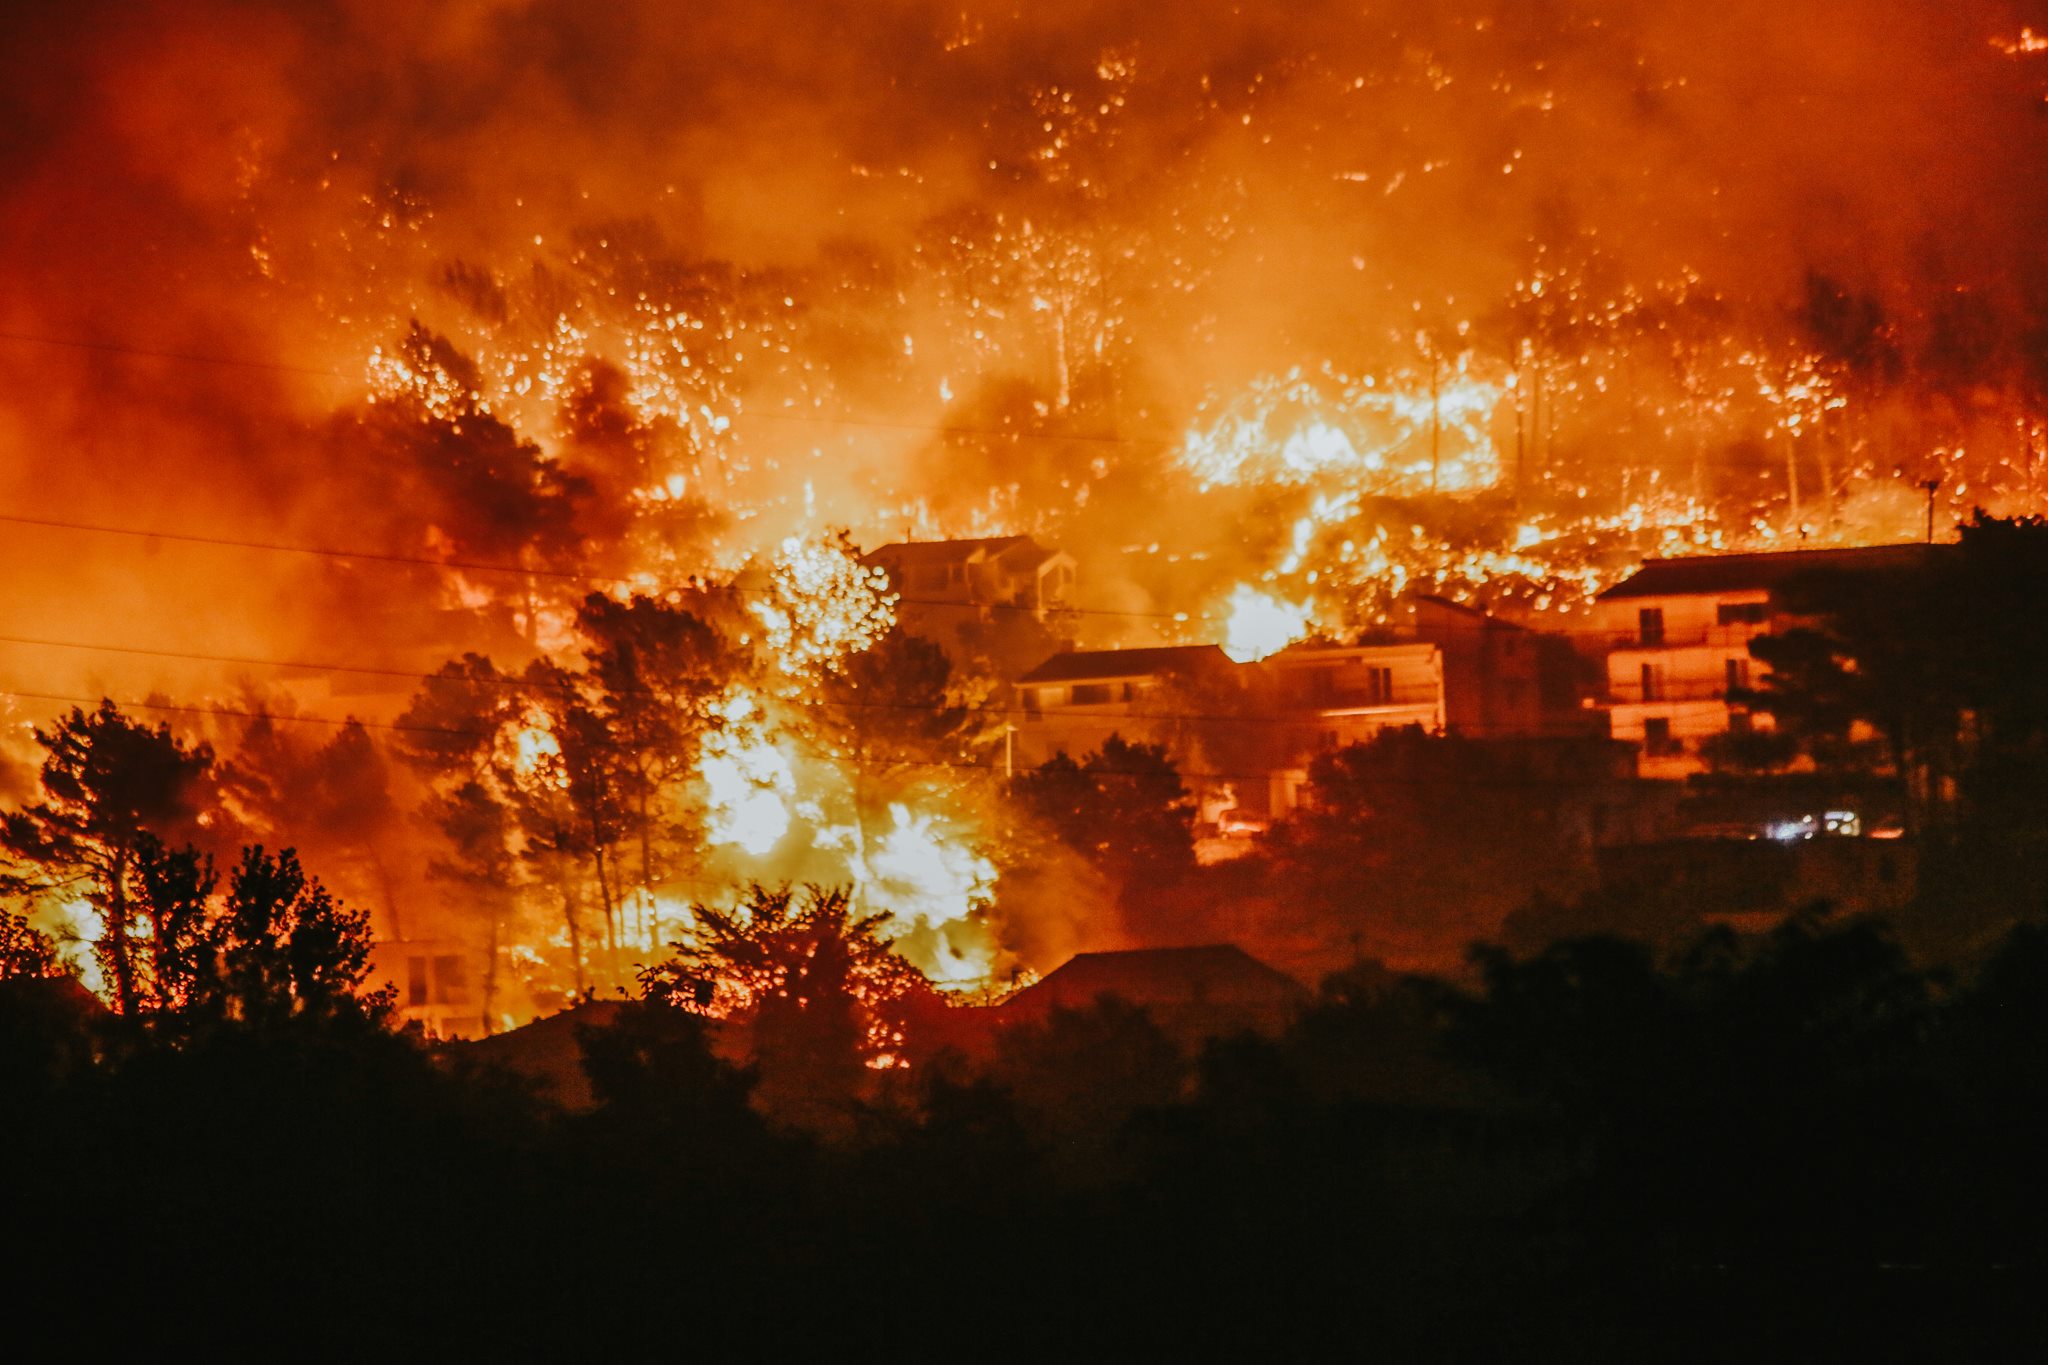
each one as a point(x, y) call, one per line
point(1634, 693)
point(1723, 637)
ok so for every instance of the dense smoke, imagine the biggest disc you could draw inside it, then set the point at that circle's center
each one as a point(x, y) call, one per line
point(1081, 221)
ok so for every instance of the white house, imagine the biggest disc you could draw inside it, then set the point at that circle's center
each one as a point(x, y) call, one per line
point(1678, 633)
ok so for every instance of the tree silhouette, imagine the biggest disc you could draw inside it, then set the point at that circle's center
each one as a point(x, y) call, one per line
point(1123, 808)
point(654, 669)
point(891, 714)
point(271, 948)
point(1945, 660)
point(287, 948)
point(26, 953)
point(486, 491)
point(1420, 843)
point(176, 892)
point(332, 798)
point(822, 995)
point(498, 750)
point(107, 782)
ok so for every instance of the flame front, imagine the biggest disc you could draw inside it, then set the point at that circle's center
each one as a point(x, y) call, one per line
point(1260, 625)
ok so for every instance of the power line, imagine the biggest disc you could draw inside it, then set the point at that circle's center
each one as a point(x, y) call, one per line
point(991, 768)
point(325, 552)
point(183, 708)
point(186, 357)
point(569, 575)
point(1146, 441)
point(515, 683)
point(737, 589)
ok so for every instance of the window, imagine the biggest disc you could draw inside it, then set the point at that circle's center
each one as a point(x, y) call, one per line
point(1737, 675)
point(1740, 613)
point(1657, 740)
point(415, 981)
point(1379, 686)
point(451, 979)
point(1650, 626)
point(1653, 682)
point(1091, 694)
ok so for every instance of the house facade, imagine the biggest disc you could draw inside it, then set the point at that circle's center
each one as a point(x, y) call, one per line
point(1003, 571)
point(1075, 700)
point(1329, 697)
point(439, 984)
point(1504, 680)
point(1678, 632)
point(1242, 735)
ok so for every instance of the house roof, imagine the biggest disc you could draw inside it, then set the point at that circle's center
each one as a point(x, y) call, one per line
point(546, 1051)
point(1703, 574)
point(1094, 665)
point(1429, 603)
point(1312, 651)
point(1216, 973)
point(928, 552)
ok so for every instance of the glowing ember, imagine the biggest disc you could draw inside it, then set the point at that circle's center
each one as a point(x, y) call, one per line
point(1403, 435)
point(823, 605)
point(1498, 350)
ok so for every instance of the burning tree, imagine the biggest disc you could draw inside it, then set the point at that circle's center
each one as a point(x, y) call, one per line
point(110, 786)
point(271, 949)
point(657, 672)
point(822, 995)
point(26, 952)
point(508, 790)
point(1123, 808)
point(891, 718)
point(579, 779)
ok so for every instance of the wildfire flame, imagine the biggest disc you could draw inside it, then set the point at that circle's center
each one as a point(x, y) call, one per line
point(932, 882)
point(532, 751)
point(1260, 625)
point(748, 780)
point(823, 605)
point(1398, 436)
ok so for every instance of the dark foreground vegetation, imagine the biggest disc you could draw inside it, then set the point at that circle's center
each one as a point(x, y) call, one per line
point(1820, 1141)
point(1792, 1145)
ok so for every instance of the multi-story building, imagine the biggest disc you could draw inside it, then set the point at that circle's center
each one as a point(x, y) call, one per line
point(1007, 571)
point(1340, 695)
point(1075, 700)
point(993, 605)
point(1241, 734)
point(1678, 633)
point(1506, 681)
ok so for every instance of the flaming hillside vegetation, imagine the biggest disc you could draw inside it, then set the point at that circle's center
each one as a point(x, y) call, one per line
point(468, 424)
point(841, 678)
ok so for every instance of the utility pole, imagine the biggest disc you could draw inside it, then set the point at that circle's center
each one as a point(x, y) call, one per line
point(1930, 485)
point(1515, 387)
point(1436, 414)
point(1009, 753)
